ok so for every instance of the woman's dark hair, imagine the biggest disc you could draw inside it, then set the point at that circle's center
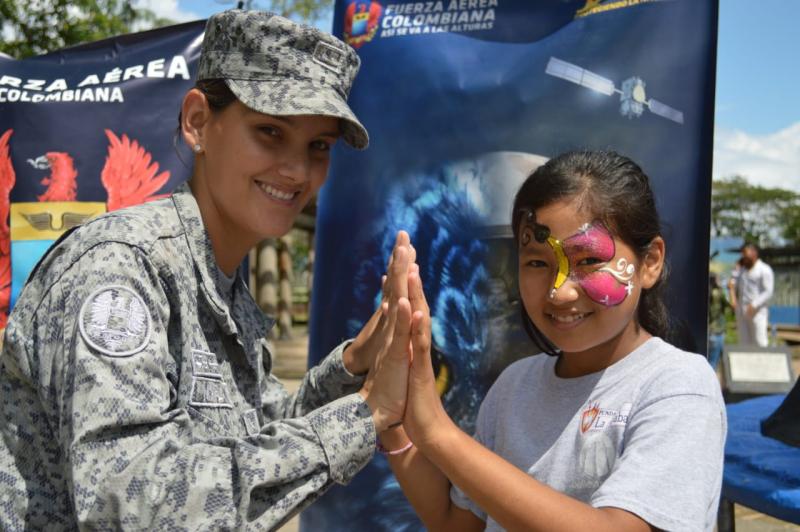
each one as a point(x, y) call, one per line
point(615, 191)
point(217, 92)
point(218, 95)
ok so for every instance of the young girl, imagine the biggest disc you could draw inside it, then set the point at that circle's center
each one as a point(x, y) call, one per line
point(617, 430)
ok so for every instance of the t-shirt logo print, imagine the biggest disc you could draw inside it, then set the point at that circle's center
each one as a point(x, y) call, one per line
point(115, 321)
point(589, 415)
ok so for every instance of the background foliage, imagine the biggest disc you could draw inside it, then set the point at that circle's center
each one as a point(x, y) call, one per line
point(765, 216)
point(302, 10)
point(34, 27)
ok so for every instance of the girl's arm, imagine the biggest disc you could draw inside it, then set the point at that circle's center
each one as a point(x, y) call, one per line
point(510, 496)
point(426, 487)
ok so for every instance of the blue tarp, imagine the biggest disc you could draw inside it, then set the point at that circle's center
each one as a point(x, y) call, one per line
point(760, 473)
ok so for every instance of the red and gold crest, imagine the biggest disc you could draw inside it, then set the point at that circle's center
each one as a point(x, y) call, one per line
point(361, 21)
point(589, 416)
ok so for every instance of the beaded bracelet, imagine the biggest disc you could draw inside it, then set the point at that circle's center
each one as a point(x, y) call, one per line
point(383, 450)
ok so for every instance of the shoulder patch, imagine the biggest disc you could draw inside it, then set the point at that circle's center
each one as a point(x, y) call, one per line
point(115, 321)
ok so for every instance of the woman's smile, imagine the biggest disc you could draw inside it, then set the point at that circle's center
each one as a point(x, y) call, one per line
point(277, 193)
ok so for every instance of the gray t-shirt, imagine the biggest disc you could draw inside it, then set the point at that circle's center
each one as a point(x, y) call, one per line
point(646, 434)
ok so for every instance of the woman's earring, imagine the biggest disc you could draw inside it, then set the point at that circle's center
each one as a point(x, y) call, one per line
point(197, 148)
point(552, 294)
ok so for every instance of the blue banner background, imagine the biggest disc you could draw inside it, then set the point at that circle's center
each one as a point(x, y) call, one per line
point(77, 127)
point(435, 105)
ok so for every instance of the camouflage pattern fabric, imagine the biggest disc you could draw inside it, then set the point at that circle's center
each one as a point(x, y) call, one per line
point(135, 397)
point(278, 67)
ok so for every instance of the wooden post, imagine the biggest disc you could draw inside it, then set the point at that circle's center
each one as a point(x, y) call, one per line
point(267, 277)
point(285, 274)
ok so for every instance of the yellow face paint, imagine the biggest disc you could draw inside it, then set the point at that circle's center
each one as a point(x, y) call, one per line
point(563, 262)
point(541, 233)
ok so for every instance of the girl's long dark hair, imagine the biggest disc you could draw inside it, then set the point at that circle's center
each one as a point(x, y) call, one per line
point(614, 190)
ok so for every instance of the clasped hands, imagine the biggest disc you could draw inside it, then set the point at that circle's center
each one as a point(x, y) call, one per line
point(394, 349)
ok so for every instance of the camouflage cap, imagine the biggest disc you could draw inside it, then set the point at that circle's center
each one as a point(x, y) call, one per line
point(279, 67)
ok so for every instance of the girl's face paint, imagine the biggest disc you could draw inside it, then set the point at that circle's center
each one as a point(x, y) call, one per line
point(604, 287)
point(590, 251)
point(584, 257)
point(592, 313)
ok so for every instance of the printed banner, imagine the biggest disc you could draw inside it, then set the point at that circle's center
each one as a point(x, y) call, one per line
point(463, 99)
point(87, 130)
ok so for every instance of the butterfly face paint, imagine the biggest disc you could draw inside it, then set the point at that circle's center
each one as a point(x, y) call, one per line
point(584, 257)
point(594, 246)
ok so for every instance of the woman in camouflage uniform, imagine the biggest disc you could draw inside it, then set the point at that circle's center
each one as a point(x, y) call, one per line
point(135, 378)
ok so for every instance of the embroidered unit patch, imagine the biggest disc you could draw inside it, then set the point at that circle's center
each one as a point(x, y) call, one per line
point(115, 321)
point(204, 364)
point(329, 56)
point(209, 392)
point(251, 424)
point(208, 384)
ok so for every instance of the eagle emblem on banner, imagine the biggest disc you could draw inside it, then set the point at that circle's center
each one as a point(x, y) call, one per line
point(27, 229)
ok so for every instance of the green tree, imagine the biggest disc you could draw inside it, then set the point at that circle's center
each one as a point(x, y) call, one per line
point(758, 214)
point(39, 27)
point(790, 224)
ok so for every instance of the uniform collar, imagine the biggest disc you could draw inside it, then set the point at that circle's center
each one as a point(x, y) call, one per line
point(244, 308)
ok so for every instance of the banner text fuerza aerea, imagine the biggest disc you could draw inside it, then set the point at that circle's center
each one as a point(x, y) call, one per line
point(14, 89)
point(416, 8)
point(436, 17)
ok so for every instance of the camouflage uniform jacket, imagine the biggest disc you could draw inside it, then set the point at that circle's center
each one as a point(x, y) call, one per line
point(135, 397)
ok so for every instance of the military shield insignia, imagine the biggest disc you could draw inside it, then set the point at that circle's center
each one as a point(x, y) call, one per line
point(115, 321)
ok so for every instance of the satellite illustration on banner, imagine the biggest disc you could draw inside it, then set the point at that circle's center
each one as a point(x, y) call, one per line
point(632, 95)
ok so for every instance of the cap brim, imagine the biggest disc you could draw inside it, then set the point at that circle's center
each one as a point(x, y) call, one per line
point(292, 97)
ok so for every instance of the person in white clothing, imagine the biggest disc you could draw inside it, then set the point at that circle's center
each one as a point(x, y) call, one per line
point(751, 288)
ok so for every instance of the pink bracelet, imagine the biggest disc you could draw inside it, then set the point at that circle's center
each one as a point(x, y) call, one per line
point(383, 450)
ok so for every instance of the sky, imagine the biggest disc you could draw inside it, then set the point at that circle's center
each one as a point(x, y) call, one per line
point(757, 115)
